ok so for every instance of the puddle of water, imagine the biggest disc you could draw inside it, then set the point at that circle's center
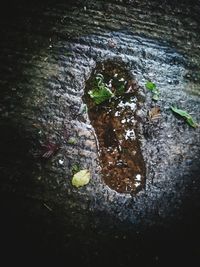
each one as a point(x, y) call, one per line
point(115, 124)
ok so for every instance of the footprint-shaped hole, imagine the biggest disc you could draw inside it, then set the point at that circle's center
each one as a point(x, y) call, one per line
point(111, 96)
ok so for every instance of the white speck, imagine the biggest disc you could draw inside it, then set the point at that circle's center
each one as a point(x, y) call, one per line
point(85, 8)
point(138, 177)
point(132, 105)
point(121, 80)
point(137, 184)
point(134, 152)
point(130, 134)
point(116, 74)
point(61, 161)
point(123, 121)
point(169, 81)
point(117, 113)
point(110, 84)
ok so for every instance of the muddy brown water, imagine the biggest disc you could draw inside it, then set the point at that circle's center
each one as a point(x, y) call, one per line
point(115, 124)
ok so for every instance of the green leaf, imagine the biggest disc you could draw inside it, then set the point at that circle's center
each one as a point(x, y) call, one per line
point(185, 115)
point(72, 141)
point(181, 112)
point(101, 92)
point(81, 178)
point(156, 96)
point(191, 122)
point(155, 91)
point(100, 95)
point(150, 86)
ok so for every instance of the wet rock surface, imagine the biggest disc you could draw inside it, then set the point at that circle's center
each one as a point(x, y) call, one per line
point(48, 53)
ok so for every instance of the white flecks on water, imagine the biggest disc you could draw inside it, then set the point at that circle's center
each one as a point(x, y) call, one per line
point(131, 104)
point(138, 177)
point(130, 134)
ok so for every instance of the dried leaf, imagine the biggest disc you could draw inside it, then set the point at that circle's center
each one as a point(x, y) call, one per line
point(81, 178)
point(154, 113)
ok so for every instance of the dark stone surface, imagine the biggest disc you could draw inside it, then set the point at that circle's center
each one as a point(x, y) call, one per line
point(47, 52)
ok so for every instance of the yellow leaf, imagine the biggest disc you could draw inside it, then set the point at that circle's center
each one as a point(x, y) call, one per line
point(81, 178)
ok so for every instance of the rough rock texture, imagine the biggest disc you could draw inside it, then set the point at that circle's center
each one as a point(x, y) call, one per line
point(47, 53)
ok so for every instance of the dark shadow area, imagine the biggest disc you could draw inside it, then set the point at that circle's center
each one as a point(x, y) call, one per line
point(30, 232)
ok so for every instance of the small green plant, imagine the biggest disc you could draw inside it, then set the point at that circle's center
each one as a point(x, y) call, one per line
point(72, 141)
point(153, 88)
point(101, 92)
point(75, 168)
point(185, 115)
